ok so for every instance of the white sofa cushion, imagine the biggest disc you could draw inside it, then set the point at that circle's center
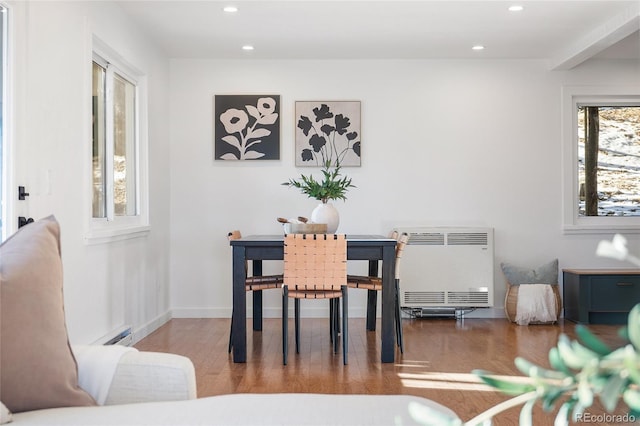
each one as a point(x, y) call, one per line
point(152, 376)
point(250, 410)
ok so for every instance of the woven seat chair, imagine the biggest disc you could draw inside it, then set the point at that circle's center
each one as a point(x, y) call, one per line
point(364, 282)
point(315, 267)
point(257, 283)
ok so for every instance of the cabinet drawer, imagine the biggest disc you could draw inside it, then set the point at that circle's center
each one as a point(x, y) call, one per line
point(614, 292)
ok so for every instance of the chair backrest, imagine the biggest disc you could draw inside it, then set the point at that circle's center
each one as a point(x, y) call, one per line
point(315, 261)
point(402, 242)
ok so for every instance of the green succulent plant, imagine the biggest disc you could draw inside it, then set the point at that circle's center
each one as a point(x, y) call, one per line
point(333, 185)
point(581, 371)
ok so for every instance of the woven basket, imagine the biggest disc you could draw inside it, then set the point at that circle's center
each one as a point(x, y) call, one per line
point(511, 303)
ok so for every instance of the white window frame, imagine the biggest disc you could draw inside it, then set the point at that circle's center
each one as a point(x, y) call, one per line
point(572, 96)
point(8, 210)
point(112, 227)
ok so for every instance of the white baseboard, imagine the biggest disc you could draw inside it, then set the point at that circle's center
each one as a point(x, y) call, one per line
point(311, 312)
point(149, 327)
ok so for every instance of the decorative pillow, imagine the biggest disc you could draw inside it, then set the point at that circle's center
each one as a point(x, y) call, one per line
point(37, 365)
point(5, 415)
point(545, 274)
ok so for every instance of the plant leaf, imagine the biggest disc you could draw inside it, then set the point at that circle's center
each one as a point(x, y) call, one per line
point(252, 155)
point(611, 392)
point(585, 393)
point(258, 133)
point(253, 111)
point(555, 360)
point(591, 341)
point(634, 326)
point(229, 156)
point(631, 360)
point(632, 398)
point(504, 385)
point(562, 418)
point(526, 414)
point(533, 370)
point(232, 140)
point(568, 354)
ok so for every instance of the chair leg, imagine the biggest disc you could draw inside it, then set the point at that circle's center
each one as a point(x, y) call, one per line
point(231, 333)
point(336, 324)
point(296, 304)
point(285, 324)
point(331, 314)
point(345, 325)
point(399, 318)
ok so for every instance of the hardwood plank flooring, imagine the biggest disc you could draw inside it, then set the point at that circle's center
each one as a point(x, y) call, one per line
point(438, 359)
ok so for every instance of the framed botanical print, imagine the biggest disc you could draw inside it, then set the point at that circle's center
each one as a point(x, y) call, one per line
point(247, 127)
point(328, 132)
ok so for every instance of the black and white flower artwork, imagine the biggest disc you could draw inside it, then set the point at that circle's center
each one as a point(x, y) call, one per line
point(328, 132)
point(247, 127)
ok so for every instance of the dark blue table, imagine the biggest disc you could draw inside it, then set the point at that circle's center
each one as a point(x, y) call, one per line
point(271, 247)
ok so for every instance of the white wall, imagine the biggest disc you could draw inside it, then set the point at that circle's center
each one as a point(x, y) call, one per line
point(106, 285)
point(444, 142)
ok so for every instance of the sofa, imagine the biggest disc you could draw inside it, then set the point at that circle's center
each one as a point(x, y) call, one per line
point(44, 380)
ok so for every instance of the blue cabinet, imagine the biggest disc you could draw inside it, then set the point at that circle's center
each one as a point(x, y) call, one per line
point(600, 296)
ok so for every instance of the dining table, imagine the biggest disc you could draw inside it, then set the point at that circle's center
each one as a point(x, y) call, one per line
point(257, 248)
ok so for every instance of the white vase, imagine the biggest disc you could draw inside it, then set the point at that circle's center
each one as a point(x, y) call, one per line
point(326, 213)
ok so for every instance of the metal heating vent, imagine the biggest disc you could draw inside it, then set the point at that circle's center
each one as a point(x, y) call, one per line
point(447, 267)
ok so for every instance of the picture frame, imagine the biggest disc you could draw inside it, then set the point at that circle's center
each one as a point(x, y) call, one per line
point(246, 127)
point(328, 132)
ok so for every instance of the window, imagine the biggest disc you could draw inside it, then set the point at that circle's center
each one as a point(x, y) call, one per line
point(609, 160)
point(601, 132)
point(4, 163)
point(117, 148)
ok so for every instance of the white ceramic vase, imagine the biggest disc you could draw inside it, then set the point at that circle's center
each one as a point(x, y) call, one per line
point(326, 213)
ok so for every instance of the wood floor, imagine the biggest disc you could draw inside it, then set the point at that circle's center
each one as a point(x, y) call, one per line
point(438, 358)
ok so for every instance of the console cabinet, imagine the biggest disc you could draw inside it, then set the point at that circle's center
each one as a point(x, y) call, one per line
point(600, 296)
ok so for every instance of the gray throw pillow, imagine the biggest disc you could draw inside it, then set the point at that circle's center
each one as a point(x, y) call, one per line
point(544, 274)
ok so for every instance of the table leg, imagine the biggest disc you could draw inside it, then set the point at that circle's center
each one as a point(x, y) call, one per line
point(239, 305)
point(388, 303)
point(372, 298)
point(257, 298)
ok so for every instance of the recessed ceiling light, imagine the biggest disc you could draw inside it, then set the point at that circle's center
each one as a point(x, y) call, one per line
point(230, 9)
point(247, 47)
point(516, 8)
point(478, 47)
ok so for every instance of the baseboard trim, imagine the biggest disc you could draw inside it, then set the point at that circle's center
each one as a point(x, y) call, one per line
point(149, 327)
point(311, 312)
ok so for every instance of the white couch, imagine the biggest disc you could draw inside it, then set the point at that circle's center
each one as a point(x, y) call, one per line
point(149, 388)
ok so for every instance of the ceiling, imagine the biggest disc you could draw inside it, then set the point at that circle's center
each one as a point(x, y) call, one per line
point(564, 32)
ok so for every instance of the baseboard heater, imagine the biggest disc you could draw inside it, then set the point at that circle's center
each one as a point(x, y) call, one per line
point(123, 337)
point(447, 268)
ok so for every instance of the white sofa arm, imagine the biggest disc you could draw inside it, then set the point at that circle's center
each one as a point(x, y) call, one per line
point(152, 376)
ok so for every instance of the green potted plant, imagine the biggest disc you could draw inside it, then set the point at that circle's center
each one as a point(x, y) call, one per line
point(333, 186)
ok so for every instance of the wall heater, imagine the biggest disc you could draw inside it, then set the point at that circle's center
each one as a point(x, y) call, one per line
point(446, 267)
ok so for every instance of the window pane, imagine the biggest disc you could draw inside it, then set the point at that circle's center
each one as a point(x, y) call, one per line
point(609, 160)
point(3, 172)
point(124, 171)
point(99, 134)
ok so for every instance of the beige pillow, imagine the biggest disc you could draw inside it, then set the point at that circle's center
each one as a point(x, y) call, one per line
point(37, 367)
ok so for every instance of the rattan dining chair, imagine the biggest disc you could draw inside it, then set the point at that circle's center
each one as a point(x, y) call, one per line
point(315, 267)
point(364, 282)
point(256, 283)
